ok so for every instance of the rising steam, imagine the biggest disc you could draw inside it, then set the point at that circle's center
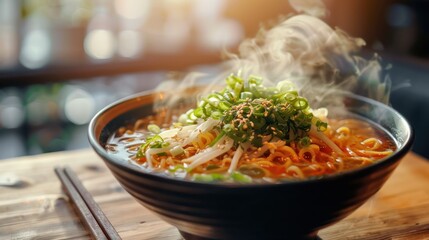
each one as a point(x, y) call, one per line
point(318, 59)
point(306, 51)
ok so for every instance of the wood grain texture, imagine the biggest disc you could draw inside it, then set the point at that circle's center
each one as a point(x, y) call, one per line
point(33, 205)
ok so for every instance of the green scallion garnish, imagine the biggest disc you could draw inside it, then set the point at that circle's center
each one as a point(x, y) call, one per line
point(247, 111)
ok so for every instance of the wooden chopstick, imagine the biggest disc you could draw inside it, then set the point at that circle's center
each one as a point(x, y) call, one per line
point(81, 207)
point(93, 217)
point(101, 218)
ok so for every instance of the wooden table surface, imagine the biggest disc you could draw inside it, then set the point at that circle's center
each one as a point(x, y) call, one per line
point(33, 206)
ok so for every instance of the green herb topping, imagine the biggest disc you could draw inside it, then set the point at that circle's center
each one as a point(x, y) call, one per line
point(248, 111)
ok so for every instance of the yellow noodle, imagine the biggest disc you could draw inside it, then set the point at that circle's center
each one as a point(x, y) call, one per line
point(287, 163)
point(307, 150)
point(375, 153)
point(162, 163)
point(257, 159)
point(205, 139)
point(170, 161)
point(362, 159)
point(275, 155)
point(296, 170)
point(226, 160)
point(343, 133)
point(312, 149)
point(266, 146)
point(288, 151)
point(340, 163)
point(316, 167)
point(372, 143)
point(264, 163)
point(139, 124)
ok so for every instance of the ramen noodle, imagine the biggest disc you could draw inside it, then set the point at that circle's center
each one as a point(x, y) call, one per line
point(251, 133)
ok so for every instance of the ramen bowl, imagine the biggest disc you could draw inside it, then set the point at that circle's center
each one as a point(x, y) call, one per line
point(286, 210)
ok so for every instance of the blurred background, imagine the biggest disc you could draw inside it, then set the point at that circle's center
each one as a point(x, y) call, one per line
point(63, 60)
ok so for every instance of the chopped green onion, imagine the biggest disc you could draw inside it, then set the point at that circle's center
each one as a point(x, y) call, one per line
point(213, 177)
point(154, 141)
point(183, 119)
point(252, 171)
point(321, 126)
point(248, 110)
point(246, 95)
point(153, 128)
point(304, 142)
point(285, 86)
point(237, 89)
point(300, 103)
point(223, 106)
point(198, 112)
point(212, 167)
point(241, 178)
point(290, 96)
point(216, 115)
point(176, 168)
point(255, 80)
point(218, 137)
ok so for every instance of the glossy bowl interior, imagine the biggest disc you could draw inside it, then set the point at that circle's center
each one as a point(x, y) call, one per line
point(292, 210)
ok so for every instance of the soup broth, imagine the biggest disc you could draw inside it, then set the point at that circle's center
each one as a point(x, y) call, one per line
point(361, 142)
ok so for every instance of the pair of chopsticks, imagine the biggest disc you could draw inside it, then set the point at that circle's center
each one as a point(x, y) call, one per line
point(89, 211)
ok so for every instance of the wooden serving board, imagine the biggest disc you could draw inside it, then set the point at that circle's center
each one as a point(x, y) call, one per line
point(33, 205)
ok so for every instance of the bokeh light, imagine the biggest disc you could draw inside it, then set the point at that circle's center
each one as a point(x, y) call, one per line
point(100, 44)
point(79, 106)
point(132, 9)
point(36, 49)
point(221, 34)
point(130, 43)
point(11, 112)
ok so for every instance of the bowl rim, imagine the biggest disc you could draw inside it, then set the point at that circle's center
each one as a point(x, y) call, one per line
point(125, 165)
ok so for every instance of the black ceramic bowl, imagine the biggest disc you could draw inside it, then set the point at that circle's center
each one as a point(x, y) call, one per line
point(291, 210)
